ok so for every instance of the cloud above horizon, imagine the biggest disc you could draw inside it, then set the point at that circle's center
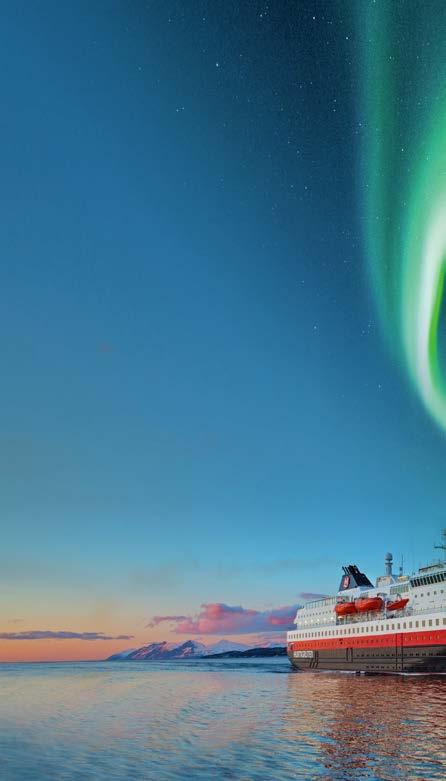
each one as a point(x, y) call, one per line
point(156, 620)
point(308, 596)
point(47, 634)
point(217, 618)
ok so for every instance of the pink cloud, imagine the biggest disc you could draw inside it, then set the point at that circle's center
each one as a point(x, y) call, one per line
point(156, 620)
point(216, 618)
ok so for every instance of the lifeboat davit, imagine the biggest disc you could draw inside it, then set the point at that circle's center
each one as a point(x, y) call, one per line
point(398, 604)
point(366, 604)
point(345, 608)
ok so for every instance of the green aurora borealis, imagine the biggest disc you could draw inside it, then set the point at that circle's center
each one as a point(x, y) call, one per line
point(404, 176)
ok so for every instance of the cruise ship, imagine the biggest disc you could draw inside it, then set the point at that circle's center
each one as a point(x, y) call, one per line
point(397, 625)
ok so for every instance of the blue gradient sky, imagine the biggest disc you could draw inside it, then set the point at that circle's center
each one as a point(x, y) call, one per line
point(196, 403)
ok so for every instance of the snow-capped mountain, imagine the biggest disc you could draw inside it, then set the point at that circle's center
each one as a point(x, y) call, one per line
point(125, 654)
point(163, 650)
point(226, 645)
point(189, 649)
point(271, 640)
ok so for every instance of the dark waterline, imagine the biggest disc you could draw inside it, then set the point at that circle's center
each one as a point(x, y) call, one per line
point(226, 719)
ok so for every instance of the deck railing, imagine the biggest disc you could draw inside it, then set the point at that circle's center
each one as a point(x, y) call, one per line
point(373, 616)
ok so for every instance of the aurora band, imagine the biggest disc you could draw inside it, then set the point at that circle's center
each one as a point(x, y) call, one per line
point(403, 181)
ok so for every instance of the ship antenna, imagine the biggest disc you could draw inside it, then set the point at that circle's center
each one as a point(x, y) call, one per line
point(443, 545)
point(402, 564)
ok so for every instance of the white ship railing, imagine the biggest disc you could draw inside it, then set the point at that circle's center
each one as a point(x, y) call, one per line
point(372, 617)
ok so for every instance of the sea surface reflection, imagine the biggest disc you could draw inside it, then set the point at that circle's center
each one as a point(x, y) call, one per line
point(244, 720)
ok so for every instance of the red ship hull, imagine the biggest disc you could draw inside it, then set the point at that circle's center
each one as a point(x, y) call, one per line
point(405, 652)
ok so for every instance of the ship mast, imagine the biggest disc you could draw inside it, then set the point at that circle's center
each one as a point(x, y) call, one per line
point(443, 545)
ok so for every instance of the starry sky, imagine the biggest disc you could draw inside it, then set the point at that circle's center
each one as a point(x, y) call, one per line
point(207, 407)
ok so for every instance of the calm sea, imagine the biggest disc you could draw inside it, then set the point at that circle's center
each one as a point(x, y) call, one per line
point(216, 720)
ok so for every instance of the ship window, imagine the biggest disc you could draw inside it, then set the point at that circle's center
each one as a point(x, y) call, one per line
point(404, 625)
point(410, 624)
point(428, 593)
point(430, 622)
point(417, 624)
point(387, 627)
point(437, 622)
point(398, 626)
point(423, 623)
point(444, 620)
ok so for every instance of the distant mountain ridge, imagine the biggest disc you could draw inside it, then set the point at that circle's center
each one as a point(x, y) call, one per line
point(274, 650)
point(191, 649)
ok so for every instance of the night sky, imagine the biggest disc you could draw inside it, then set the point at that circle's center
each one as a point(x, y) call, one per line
point(201, 398)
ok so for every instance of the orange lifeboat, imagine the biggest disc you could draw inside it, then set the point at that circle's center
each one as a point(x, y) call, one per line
point(345, 608)
point(366, 604)
point(398, 604)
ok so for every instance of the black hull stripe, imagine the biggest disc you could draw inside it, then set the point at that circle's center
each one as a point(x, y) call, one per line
point(410, 659)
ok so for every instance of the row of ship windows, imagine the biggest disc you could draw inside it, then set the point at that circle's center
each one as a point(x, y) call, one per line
point(399, 588)
point(428, 593)
point(382, 640)
point(391, 654)
point(428, 579)
point(361, 629)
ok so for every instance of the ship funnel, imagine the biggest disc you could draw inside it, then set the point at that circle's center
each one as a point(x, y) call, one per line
point(388, 560)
